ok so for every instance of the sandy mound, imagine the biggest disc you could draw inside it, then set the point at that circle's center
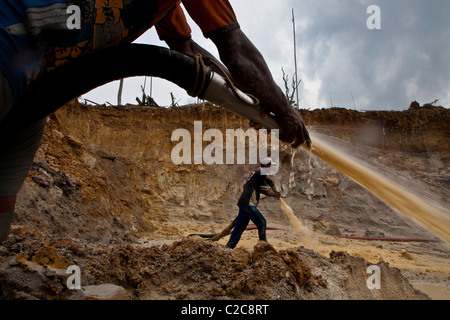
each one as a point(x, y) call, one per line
point(190, 269)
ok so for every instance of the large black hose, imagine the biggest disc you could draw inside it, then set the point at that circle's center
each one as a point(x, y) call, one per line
point(54, 89)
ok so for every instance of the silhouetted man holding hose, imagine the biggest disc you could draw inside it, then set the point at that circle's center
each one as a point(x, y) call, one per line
point(35, 39)
point(257, 183)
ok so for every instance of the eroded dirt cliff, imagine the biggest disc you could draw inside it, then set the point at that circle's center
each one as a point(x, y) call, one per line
point(104, 194)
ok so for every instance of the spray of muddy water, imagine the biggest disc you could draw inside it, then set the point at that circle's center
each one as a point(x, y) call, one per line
point(416, 207)
point(308, 238)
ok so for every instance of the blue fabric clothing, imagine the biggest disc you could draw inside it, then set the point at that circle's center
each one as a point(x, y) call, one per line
point(35, 36)
point(19, 37)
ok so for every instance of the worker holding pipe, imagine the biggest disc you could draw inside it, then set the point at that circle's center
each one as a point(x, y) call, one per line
point(38, 36)
point(257, 183)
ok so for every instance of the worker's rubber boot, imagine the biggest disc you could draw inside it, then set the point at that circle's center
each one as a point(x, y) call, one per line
point(6, 216)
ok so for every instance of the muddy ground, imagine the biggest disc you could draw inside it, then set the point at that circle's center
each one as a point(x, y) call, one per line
point(103, 195)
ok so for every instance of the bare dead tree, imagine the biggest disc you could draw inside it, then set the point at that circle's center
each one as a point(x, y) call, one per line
point(174, 102)
point(147, 100)
point(295, 61)
point(291, 85)
point(433, 102)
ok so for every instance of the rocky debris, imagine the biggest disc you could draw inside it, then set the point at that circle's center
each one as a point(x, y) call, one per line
point(105, 291)
point(406, 255)
point(34, 268)
point(48, 177)
point(374, 234)
point(327, 227)
point(393, 286)
point(24, 279)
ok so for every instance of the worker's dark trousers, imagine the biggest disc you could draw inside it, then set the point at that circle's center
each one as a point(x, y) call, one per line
point(247, 213)
point(16, 157)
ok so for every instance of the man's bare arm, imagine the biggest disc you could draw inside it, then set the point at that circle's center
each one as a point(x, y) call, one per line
point(250, 71)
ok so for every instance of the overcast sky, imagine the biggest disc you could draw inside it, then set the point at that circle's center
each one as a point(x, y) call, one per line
point(341, 62)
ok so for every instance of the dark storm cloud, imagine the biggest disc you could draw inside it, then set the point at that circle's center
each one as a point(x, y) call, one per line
point(406, 60)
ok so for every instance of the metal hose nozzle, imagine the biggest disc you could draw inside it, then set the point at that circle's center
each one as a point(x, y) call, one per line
point(220, 92)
